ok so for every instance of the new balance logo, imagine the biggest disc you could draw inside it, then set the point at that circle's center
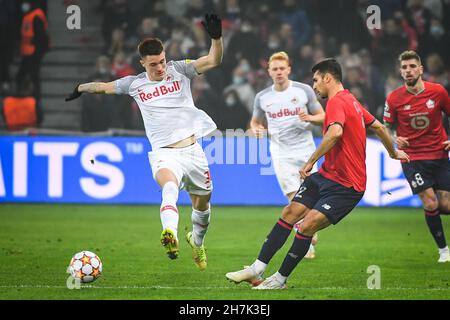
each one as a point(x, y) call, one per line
point(326, 206)
point(294, 256)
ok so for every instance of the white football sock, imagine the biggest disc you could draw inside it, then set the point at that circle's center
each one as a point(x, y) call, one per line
point(168, 210)
point(259, 266)
point(200, 222)
point(280, 278)
point(446, 249)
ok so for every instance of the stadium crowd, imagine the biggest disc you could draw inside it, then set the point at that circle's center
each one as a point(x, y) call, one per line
point(308, 30)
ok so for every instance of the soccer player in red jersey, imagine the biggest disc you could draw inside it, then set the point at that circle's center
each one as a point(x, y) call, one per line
point(414, 111)
point(327, 196)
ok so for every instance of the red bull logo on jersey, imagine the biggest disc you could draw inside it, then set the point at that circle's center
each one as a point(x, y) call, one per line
point(284, 113)
point(159, 91)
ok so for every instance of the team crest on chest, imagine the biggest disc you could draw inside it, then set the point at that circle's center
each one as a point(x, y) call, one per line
point(294, 100)
point(430, 104)
point(407, 107)
point(169, 77)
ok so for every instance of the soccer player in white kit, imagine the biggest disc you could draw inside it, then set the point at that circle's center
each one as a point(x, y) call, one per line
point(173, 124)
point(289, 109)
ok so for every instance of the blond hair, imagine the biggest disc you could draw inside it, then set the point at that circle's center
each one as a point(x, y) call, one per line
point(281, 55)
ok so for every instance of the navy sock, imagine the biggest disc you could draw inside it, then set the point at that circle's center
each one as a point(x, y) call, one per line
point(275, 240)
point(434, 223)
point(298, 250)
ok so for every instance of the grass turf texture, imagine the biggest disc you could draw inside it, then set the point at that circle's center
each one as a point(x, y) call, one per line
point(37, 242)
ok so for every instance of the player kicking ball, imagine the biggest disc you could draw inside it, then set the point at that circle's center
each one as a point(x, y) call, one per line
point(327, 196)
point(289, 108)
point(414, 111)
point(173, 124)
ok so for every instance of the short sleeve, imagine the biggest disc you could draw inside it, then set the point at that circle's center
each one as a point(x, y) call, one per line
point(185, 67)
point(258, 112)
point(368, 117)
point(122, 85)
point(389, 114)
point(334, 113)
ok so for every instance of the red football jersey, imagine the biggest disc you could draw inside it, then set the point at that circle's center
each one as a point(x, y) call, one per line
point(345, 163)
point(419, 118)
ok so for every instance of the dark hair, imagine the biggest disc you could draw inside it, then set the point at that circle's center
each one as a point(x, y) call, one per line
point(150, 47)
point(330, 66)
point(408, 55)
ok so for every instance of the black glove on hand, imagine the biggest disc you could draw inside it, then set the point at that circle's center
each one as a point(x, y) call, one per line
point(75, 94)
point(213, 25)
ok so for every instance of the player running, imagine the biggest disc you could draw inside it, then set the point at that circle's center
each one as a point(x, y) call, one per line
point(289, 108)
point(327, 196)
point(173, 124)
point(414, 111)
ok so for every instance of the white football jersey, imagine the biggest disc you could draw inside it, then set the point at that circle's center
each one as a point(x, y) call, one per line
point(290, 137)
point(167, 106)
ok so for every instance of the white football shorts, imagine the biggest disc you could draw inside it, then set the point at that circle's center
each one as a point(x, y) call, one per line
point(188, 164)
point(287, 171)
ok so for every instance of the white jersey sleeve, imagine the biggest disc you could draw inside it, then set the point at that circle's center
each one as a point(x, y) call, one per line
point(122, 85)
point(313, 105)
point(258, 112)
point(185, 67)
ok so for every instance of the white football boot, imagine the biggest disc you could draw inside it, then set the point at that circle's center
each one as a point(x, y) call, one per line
point(271, 283)
point(248, 274)
point(444, 255)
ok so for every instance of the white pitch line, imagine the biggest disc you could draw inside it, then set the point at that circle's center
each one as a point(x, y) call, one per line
point(207, 288)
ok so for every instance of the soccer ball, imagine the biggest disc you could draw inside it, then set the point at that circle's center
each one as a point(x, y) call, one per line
point(86, 266)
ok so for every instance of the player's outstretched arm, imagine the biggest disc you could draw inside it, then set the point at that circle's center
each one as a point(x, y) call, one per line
point(92, 87)
point(383, 133)
point(213, 26)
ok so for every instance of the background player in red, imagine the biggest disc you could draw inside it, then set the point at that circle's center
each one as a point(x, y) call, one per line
point(415, 112)
point(327, 196)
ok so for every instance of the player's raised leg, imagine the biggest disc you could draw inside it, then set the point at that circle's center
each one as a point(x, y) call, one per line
point(169, 211)
point(433, 219)
point(274, 241)
point(201, 215)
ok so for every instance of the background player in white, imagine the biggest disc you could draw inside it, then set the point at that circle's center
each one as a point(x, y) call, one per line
point(289, 109)
point(173, 124)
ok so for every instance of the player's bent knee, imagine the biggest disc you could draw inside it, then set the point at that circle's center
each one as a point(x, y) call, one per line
point(293, 212)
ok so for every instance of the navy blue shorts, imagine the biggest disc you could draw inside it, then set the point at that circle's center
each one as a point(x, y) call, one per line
point(424, 174)
point(332, 199)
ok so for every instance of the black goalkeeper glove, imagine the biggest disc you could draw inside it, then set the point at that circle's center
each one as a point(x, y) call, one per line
point(213, 25)
point(75, 94)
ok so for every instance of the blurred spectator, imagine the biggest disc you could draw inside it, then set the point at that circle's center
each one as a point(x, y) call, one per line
point(240, 84)
point(287, 40)
point(206, 99)
point(391, 43)
point(296, 17)
point(393, 81)
point(244, 44)
point(34, 45)
point(117, 43)
point(435, 71)
point(120, 67)
point(438, 41)
point(302, 64)
point(8, 23)
point(96, 108)
point(419, 17)
point(235, 115)
point(116, 15)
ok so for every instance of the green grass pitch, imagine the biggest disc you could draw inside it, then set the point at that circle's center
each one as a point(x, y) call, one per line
point(37, 242)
